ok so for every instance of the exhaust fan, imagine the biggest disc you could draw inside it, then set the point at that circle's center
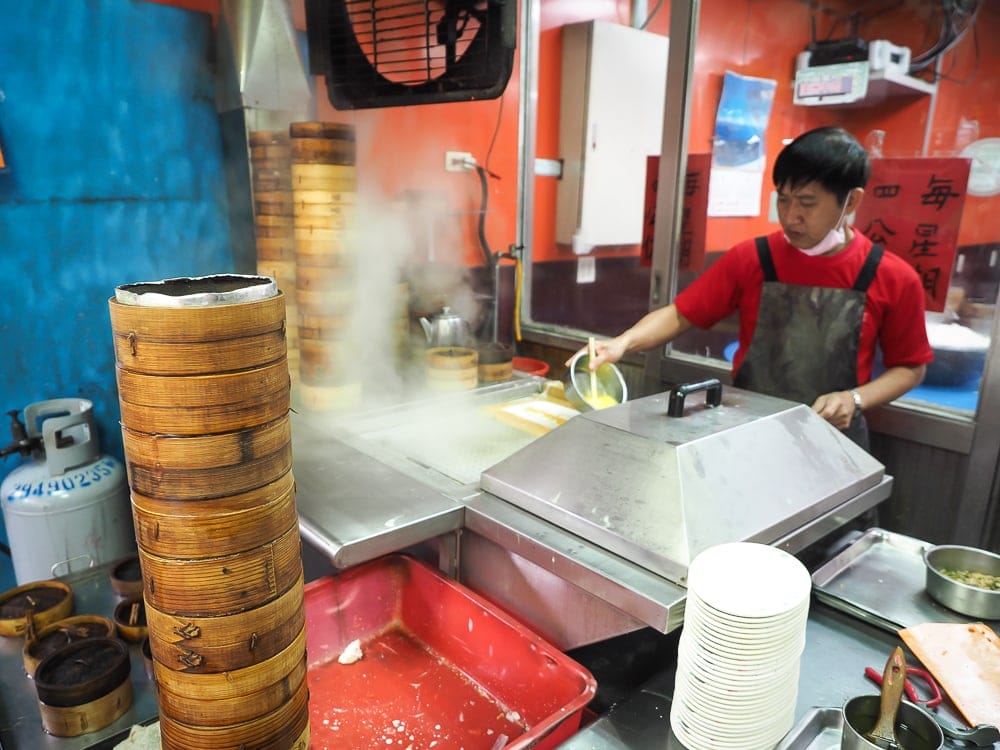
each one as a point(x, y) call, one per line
point(389, 53)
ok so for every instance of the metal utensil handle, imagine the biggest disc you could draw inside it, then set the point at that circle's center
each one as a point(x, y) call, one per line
point(713, 395)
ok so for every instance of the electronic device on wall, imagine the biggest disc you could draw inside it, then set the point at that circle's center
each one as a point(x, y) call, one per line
point(390, 53)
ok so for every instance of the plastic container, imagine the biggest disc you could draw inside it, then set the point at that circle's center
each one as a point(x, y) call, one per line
point(438, 663)
point(530, 366)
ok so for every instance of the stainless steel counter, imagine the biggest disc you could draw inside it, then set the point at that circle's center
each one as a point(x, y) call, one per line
point(838, 648)
point(20, 722)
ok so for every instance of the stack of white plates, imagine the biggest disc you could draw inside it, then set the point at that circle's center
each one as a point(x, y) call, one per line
point(738, 658)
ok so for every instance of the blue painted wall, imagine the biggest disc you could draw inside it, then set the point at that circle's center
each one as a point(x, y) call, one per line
point(109, 127)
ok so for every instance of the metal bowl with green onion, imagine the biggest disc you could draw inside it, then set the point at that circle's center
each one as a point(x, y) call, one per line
point(964, 579)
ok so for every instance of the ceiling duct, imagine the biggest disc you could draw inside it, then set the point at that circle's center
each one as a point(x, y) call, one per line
point(260, 61)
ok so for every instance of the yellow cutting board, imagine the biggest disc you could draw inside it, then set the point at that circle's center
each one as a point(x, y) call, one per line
point(965, 660)
point(534, 414)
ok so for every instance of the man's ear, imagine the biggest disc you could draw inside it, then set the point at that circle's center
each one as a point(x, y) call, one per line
point(854, 200)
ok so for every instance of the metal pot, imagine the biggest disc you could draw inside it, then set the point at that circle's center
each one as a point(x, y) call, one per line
point(961, 597)
point(608, 377)
point(915, 728)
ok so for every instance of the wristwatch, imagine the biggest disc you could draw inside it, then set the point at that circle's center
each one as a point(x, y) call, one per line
point(858, 406)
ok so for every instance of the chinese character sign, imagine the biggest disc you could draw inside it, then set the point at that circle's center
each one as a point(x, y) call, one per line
point(694, 210)
point(913, 207)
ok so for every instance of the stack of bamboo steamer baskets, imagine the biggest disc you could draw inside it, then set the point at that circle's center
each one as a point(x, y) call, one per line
point(324, 191)
point(271, 178)
point(204, 394)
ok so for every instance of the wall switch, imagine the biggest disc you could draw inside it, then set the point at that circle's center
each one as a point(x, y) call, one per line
point(586, 270)
point(458, 161)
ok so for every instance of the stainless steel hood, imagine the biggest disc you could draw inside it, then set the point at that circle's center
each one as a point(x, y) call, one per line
point(658, 490)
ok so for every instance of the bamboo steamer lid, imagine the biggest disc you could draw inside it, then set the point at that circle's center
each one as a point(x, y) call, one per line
point(267, 137)
point(225, 525)
point(130, 619)
point(222, 585)
point(325, 197)
point(209, 418)
point(84, 686)
point(275, 248)
point(325, 398)
point(226, 642)
point(199, 323)
point(233, 683)
point(285, 727)
point(139, 354)
point(44, 602)
point(56, 635)
point(215, 712)
point(207, 466)
point(182, 391)
point(451, 368)
point(335, 177)
point(126, 576)
point(322, 327)
point(321, 129)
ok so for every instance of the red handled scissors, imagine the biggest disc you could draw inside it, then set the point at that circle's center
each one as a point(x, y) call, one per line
point(911, 692)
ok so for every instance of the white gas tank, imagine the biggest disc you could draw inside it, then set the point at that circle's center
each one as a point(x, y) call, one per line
point(67, 508)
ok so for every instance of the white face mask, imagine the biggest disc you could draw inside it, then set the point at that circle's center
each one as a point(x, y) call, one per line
point(833, 239)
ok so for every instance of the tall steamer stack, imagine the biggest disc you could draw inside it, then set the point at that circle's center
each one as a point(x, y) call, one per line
point(204, 394)
point(324, 191)
point(271, 181)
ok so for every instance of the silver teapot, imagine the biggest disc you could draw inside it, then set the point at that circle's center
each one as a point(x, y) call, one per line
point(446, 329)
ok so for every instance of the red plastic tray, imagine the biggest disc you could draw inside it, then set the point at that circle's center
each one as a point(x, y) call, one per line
point(442, 667)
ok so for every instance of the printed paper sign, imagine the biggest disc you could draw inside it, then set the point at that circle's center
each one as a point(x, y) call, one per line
point(694, 211)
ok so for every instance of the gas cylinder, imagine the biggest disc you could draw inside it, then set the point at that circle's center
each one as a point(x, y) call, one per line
point(67, 507)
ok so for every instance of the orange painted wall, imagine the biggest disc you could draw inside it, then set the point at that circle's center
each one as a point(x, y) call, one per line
point(401, 150)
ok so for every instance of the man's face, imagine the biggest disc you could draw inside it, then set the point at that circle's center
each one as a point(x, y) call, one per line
point(807, 213)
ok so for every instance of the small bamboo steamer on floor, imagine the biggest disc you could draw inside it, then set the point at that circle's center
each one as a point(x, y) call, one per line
point(450, 368)
point(222, 526)
point(84, 686)
point(285, 727)
point(44, 602)
point(126, 576)
point(56, 635)
point(225, 642)
point(222, 585)
point(130, 619)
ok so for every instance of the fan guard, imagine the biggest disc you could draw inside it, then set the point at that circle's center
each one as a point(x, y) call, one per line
point(384, 53)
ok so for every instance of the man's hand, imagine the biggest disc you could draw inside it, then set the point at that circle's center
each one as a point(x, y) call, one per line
point(611, 350)
point(837, 408)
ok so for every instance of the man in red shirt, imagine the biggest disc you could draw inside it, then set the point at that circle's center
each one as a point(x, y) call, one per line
point(814, 299)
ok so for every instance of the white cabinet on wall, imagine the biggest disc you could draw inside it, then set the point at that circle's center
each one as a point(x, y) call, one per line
point(610, 120)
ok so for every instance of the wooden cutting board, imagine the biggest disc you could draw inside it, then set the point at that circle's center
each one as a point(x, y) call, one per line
point(965, 660)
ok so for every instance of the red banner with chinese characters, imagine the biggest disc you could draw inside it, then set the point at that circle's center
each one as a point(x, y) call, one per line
point(913, 207)
point(694, 212)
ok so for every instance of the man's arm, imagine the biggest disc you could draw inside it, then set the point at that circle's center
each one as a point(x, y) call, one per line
point(838, 407)
point(653, 329)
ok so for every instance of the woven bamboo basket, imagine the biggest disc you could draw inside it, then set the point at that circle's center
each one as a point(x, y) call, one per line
point(285, 727)
point(130, 619)
point(226, 642)
point(220, 526)
point(39, 603)
point(222, 585)
point(83, 686)
point(126, 576)
point(211, 711)
point(56, 635)
point(207, 466)
point(210, 418)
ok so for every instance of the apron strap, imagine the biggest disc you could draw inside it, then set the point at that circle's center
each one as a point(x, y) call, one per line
point(766, 261)
point(867, 273)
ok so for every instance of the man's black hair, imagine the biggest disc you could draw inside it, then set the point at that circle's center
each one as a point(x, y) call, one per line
point(830, 156)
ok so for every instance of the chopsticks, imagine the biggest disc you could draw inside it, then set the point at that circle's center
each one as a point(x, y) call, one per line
point(592, 354)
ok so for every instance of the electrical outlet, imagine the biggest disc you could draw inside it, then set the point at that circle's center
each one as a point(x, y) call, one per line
point(458, 161)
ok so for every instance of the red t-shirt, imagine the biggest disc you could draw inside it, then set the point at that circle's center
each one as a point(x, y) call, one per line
point(894, 307)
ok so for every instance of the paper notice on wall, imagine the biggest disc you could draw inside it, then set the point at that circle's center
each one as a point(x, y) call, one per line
point(738, 147)
point(913, 207)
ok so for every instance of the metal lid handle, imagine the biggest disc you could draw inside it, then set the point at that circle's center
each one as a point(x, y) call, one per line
point(713, 395)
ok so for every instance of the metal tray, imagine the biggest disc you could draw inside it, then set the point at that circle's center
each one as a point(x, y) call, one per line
point(880, 578)
point(818, 729)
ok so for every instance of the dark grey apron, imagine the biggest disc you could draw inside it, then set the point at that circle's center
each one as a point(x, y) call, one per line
point(806, 340)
